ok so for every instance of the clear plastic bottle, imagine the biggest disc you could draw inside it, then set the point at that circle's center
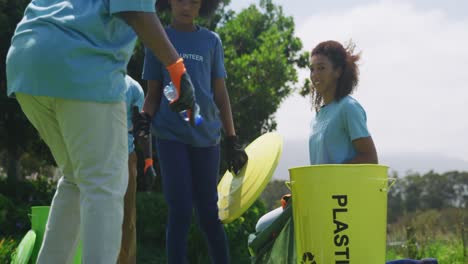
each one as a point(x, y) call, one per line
point(170, 93)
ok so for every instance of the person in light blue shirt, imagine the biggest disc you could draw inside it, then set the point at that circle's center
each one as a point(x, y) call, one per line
point(189, 156)
point(134, 97)
point(334, 129)
point(339, 131)
point(66, 66)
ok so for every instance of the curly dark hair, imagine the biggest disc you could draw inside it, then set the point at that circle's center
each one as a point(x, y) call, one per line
point(207, 6)
point(343, 58)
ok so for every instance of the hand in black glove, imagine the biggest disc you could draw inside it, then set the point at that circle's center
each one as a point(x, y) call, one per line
point(235, 155)
point(186, 92)
point(149, 175)
point(141, 123)
point(184, 86)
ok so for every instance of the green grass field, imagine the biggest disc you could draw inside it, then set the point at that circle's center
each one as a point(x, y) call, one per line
point(446, 252)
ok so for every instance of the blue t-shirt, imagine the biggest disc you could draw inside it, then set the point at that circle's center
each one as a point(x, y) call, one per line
point(134, 96)
point(334, 128)
point(203, 56)
point(73, 49)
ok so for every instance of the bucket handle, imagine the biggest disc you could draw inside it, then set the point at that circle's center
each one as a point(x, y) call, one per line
point(387, 186)
point(384, 188)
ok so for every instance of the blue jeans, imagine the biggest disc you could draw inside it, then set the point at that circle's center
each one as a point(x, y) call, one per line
point(190, 178)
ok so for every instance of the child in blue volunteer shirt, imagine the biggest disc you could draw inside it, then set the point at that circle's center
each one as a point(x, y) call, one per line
point(66, 66)
point(190, 156)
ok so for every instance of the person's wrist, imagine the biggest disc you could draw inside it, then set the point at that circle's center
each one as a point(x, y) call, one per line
point(176, 70)
point(231, 143)
point(147, 115)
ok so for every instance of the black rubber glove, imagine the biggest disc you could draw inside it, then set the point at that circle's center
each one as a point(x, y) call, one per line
point(149, 175)
point(141, 123)
point(183, 84)
point(236, 157)
point(186, 100)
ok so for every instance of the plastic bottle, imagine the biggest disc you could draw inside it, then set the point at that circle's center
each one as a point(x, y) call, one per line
point(170, 93)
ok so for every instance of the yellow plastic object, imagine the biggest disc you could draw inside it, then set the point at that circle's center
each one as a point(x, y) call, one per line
point(39, 216)
point(25, 248)
point(340, 213)
point(236, 193)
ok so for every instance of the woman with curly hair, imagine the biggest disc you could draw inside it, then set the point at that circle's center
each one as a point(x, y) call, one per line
point(339, 131)
point(189, 156)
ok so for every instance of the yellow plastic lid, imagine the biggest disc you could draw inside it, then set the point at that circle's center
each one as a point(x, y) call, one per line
point(24, 251)
point(238, 192)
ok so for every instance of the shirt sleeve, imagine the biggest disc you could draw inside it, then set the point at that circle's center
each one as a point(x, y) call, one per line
point(152, 67)
point(355, 121)
point(116, 6)
point(218, 70)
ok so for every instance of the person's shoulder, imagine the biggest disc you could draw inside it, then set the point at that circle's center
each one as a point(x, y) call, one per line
point(209, 33)
point(349, 103)
point(132, 84)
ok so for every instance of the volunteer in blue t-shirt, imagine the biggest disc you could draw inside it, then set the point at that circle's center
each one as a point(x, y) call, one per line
point(66, 66)
point(339, 131)
point(190, 156)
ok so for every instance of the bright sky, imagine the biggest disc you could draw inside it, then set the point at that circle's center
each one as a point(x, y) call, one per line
point(414, 71)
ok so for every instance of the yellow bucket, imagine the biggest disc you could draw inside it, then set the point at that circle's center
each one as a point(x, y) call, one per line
point(39, 217)
point(340, 213)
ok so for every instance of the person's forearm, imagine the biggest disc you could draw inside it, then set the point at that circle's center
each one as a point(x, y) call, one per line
point(153, 98)
point(150, 106)
point(150, 31)
point(364, 158)
point(224, 106)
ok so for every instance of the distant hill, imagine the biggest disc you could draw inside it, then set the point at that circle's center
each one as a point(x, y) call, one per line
point(296, 153)
point(422, 162)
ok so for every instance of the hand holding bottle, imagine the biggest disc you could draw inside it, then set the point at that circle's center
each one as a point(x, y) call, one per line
point(170, 92)
point(185, 99)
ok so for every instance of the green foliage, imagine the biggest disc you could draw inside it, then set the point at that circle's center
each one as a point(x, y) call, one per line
point(239, 230)
point(16, 200)
point(151, 219)
point(416, 192)
point(261, 62)
point(273, 192)
point(5, 204)
point(444, 251)
point(7, 247)
point(433, 233)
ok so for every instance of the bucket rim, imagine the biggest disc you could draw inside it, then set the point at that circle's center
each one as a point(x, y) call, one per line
point(339, 165)
point(40, 207)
